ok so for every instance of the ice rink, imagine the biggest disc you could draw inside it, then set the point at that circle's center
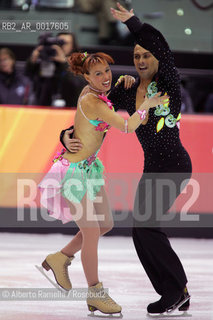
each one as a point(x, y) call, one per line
point(119, 269)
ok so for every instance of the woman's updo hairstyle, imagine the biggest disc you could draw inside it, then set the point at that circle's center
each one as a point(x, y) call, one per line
point(80, 63)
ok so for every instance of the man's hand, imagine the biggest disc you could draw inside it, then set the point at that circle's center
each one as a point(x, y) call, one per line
point(73, 145)
point(35, 54)
point(122, 14)
point(60, 56)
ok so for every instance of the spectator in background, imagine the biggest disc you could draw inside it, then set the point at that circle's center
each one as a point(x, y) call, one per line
point(5, 4)
point(108, 33)
point(70, 85)
point(14, 87)
point(47, 67)
point(70, 43)
point(209, 104)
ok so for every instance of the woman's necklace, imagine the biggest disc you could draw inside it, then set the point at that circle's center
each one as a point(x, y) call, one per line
point(99, 91)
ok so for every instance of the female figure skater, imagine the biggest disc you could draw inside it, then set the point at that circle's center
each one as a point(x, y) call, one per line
point(80, 176)
point(165, 158)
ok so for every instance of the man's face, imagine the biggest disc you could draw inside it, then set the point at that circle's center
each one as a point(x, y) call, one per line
point(145, 63)
point(68, 43)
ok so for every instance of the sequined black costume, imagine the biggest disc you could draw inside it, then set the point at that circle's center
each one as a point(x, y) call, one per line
point(163, 151)
point(166, 158)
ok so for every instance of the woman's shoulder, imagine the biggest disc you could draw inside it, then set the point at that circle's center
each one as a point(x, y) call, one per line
point(88, 102)
point(88, 98)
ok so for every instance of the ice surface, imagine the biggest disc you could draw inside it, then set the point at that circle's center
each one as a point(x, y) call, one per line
point(119, 269)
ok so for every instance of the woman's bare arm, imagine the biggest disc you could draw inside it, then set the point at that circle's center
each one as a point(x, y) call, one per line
point(99, 109)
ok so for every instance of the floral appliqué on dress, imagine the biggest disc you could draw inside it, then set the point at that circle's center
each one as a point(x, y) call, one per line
point(103, 126)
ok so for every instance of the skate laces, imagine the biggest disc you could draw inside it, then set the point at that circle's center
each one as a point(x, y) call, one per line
point(65, 269)
point(106, 298)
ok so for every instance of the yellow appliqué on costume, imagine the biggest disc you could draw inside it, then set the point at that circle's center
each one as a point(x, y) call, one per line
point(178, 117)
point(160, 124)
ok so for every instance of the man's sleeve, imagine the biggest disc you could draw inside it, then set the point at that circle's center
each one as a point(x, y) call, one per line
point(62, 136)
point(117, 96)
point(152, 40)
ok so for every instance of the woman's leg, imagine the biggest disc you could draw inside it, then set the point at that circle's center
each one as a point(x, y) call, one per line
point(89, 253)
point(73, 246)
point(94, 218)
point(103, 212)
point(85, 218)
point(106, 224)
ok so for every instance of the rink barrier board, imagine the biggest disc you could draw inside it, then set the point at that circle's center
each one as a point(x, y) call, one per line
point(30, 139)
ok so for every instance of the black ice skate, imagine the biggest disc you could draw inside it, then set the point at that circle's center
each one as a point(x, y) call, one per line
point(164, 308)
point(185, 306)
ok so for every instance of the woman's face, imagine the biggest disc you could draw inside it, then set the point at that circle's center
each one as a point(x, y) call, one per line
point(100, 77)
point(6, 63)
point(145, 63)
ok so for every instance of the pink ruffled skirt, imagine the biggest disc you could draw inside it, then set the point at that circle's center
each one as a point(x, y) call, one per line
point(70, 181)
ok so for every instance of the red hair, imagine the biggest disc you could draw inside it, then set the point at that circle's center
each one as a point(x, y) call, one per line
point(78, 64)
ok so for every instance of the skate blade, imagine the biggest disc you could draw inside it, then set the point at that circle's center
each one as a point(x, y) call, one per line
point(104, 316)
point(51, 281)
point(170, 311)
point(159, 316)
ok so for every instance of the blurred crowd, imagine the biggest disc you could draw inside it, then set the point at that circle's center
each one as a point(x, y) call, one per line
point(47, 68)
point(46, 80)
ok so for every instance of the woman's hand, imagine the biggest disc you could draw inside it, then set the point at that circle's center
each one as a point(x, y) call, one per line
point(128, 81)
point(122, 14)
point(73, 145)
point(155, 101)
